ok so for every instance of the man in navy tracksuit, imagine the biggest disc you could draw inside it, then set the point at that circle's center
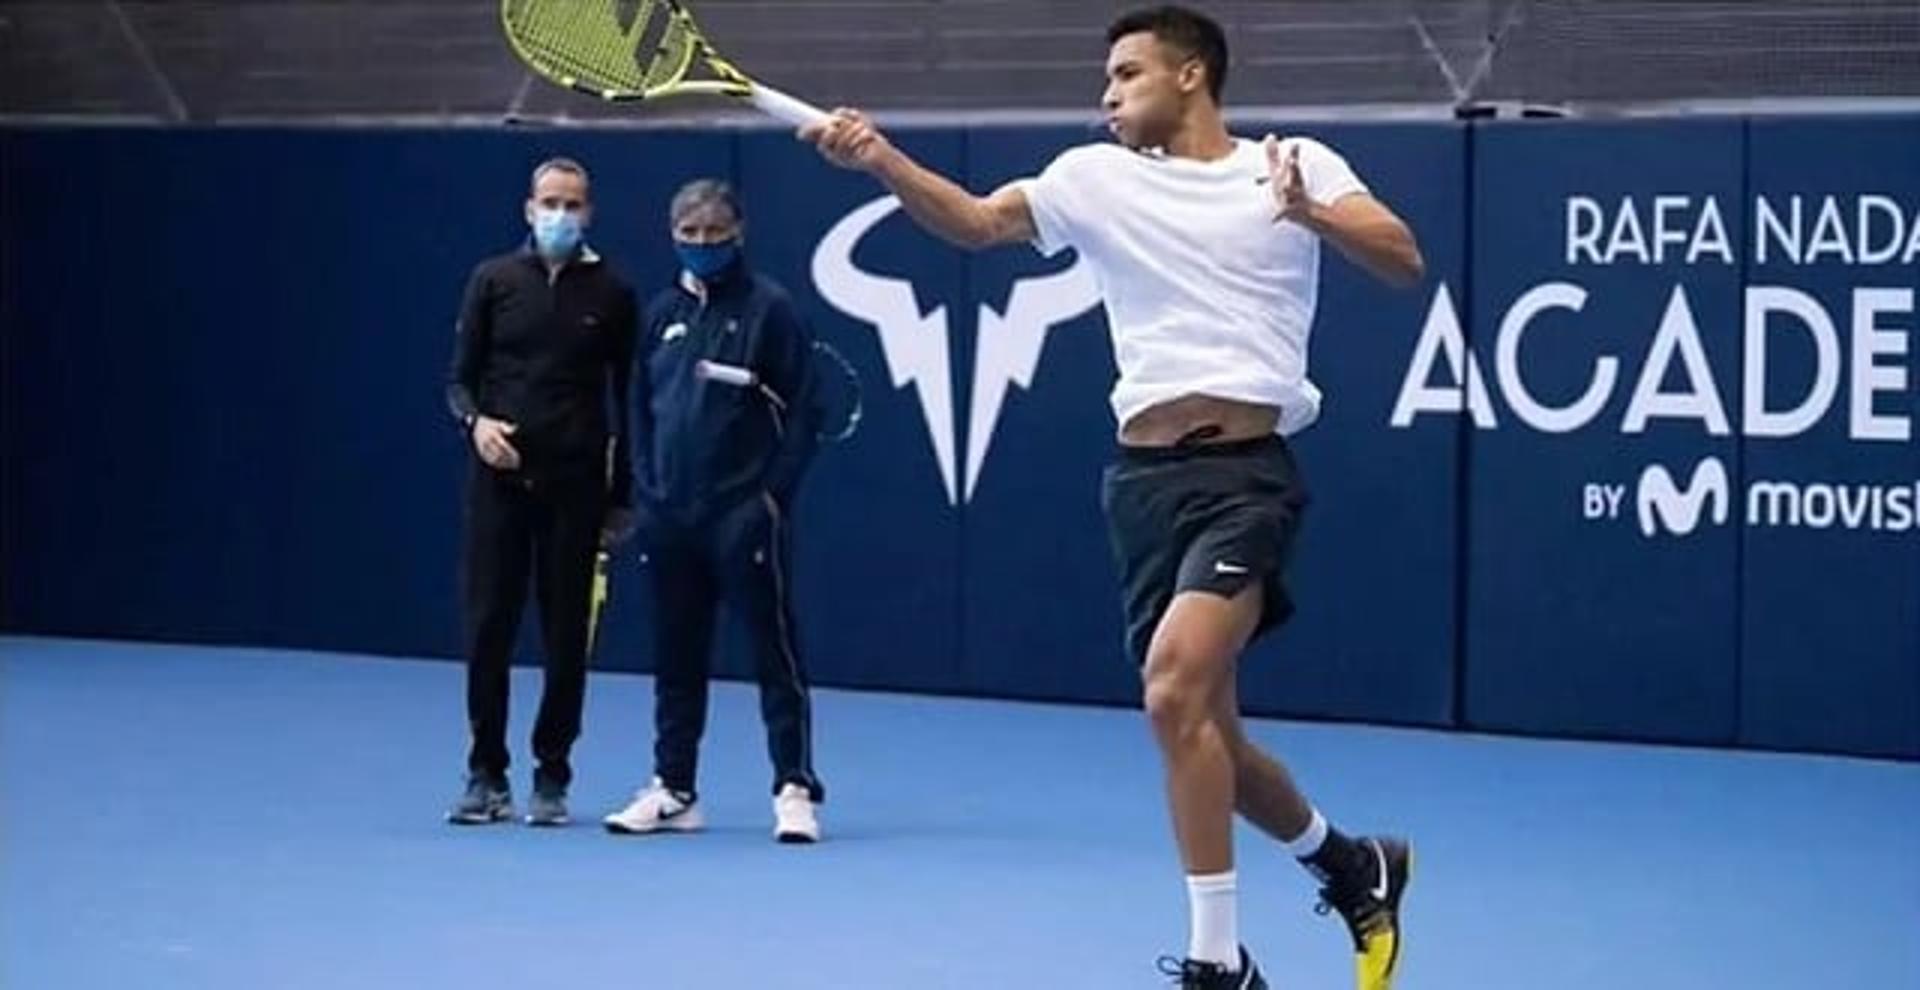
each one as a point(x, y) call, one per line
point(717, 462)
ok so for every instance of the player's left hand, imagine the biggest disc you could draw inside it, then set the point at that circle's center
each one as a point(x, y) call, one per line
point(1288, 185)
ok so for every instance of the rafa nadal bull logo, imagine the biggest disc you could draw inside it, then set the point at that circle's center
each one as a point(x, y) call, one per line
point(917, 344)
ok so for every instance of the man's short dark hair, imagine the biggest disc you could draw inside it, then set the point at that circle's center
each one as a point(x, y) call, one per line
point(557, 164)
point(1187, 31)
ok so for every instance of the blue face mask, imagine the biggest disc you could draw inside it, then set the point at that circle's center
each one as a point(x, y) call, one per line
point(707, 260)
point(556, 232)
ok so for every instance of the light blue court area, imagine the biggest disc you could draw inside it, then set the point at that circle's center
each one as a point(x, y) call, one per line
point(233, 818)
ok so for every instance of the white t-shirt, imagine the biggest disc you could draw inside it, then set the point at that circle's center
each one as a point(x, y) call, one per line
point(1205, 293)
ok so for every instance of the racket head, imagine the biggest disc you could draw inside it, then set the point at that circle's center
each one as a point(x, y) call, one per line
point(618, 50)
point(835, 389)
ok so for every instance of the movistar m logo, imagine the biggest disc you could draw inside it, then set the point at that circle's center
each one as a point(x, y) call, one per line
point(1662, 502)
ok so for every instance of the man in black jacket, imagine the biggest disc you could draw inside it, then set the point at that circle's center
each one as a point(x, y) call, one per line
point(725, 427)
point(541, 370)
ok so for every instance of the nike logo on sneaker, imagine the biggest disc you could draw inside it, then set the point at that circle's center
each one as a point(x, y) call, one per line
point(1228, 567)
point(1379, 890)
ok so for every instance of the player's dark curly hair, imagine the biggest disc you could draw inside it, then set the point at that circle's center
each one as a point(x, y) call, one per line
point(1185, 30)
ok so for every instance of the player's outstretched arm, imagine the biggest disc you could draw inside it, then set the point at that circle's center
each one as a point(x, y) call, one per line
point(1373, 237)
point(849, 140)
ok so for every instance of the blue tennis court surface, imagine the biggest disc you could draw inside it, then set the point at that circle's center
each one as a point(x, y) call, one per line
point(228, 818)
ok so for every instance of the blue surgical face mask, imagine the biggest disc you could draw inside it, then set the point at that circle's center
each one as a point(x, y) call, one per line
point(556, 232)
point(707, 260)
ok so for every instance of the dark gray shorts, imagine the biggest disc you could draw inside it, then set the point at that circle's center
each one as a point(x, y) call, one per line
point(1211, 518)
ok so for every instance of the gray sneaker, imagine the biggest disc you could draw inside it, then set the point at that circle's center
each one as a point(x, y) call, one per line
point(486, 801)
point(549, 805)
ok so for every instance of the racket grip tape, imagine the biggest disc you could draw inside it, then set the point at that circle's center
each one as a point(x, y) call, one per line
point(726, 374)
point(784, 107)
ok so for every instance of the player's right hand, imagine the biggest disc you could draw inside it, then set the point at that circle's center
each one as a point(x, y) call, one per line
point(848, 139)
point(491, 443)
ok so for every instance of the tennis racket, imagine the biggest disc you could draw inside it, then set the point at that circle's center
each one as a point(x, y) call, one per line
point(832, 391)
point(633, 50)
point(602, 563)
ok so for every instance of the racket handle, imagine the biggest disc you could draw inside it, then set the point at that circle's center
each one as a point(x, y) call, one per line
point(784, 107)
point(726, 374)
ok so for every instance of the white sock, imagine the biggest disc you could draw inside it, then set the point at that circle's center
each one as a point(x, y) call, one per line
point(1215, 936)
point(1309, 842)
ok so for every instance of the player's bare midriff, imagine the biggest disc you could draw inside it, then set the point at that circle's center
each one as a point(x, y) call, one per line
point(1198, 419)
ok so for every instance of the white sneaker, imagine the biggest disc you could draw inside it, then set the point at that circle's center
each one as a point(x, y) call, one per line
point(793, 817)
point(655, 809)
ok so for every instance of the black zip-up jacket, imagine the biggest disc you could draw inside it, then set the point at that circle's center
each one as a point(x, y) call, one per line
point(547, 353)
point(704, 445)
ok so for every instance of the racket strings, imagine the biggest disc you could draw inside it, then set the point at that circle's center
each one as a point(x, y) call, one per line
point(561, 36)
point(606, 42)
point(583, 42)
point(615, 53)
